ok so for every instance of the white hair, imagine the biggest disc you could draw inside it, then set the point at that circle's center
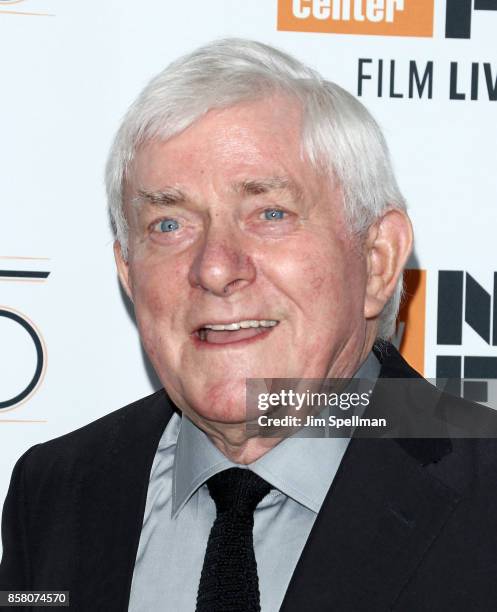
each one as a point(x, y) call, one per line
point(339, 135)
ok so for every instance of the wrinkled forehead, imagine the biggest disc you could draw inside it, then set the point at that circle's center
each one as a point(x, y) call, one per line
point(261, 131)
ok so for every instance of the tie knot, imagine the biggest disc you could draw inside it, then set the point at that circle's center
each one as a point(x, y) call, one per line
point(237, 489)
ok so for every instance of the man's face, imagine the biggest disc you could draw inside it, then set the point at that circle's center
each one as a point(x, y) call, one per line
point(228, 225)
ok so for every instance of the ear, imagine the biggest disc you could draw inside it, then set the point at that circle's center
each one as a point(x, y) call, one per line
point(122, 269)
point(389, 243)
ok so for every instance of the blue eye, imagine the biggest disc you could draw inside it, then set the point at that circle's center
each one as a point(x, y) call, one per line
point(273, 214)
point(167, 225)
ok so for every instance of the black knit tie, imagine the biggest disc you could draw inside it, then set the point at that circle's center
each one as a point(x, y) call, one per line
point(229, 581)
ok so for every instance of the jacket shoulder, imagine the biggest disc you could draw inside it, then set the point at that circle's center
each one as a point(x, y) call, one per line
point(134, 424)
point(467, 430)
point(76, 478)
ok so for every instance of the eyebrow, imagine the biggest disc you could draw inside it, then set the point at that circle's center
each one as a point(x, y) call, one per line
point(260, 186)
point(170, 196)
point(164, 197)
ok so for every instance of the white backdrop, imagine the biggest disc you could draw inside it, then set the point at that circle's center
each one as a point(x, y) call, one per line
point(68, 73)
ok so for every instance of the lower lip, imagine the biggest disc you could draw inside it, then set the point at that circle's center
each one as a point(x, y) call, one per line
point(203, 344)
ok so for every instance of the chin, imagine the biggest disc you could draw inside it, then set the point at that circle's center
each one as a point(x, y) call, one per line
point(224, 402)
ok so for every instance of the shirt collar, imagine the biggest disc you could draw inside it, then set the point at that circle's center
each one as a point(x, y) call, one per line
point(195, 461)
point(301, 467)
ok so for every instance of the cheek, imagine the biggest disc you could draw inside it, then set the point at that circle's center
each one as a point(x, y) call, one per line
point(326, 281)
point(151, 299)
point(156, 281)
point(155, 318)
point(318, 273)
point(155, 296)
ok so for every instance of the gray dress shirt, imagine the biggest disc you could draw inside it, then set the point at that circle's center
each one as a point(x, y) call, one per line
point(179, 511)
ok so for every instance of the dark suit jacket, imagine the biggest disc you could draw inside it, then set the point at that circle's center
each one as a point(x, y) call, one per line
point(408, 525)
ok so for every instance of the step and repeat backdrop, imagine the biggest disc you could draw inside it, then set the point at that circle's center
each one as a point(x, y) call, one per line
point(427, 69)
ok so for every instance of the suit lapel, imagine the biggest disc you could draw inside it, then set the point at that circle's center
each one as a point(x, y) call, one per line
point(380, 516)
point(378, 519)
point(112, 498)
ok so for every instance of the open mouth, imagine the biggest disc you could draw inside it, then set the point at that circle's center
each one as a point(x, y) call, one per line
point(225, 333)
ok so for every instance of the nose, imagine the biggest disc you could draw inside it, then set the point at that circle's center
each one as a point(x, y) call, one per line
point(222, 266)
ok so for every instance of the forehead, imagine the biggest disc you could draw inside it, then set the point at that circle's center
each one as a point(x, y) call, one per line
point(258, 138)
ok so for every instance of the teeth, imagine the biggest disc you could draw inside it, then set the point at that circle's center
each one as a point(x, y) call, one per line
point(242, 325)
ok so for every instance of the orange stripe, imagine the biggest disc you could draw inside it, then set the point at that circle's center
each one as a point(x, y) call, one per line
point(24, 13)
point(23, 257)
point(21, 421)
point(413, 313)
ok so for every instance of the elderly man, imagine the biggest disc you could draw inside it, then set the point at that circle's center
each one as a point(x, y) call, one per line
point(260, 233)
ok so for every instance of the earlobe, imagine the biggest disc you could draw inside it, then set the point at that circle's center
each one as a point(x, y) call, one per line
point(389, 243)
point(122, 269)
